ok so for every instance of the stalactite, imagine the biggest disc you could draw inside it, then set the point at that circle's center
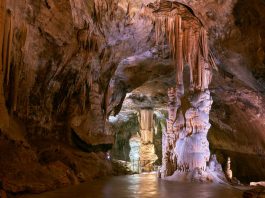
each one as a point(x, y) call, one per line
point(195, 58)
point(6, 51)
point(104, 8)
point(199, 68)
point(16, 88)
point(204, 43)
point(190, 44)
point(4, 121)
point(84, 98)
point(5, 44)
point(179, 56)
point(10, 38)
point(2, 31)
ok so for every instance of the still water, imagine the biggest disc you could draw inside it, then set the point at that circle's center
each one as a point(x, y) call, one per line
point(144, 185)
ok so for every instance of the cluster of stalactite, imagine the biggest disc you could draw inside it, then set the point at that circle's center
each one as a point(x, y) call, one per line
point(88, 40)
point(177, 26)
point(11, 63)
point(103, 7)
point(7, 45)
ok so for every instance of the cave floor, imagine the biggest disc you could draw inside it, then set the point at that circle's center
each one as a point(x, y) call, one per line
point(144, 185)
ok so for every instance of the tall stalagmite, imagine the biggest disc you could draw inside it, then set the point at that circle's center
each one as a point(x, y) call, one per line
point(185, 144)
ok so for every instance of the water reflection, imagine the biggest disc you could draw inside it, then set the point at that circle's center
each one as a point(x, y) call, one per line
point(142, 186)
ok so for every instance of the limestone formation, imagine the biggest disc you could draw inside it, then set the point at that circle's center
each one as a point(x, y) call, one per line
point(188, 42)
point(142, 154)
point(147, 151)
point(185, 144)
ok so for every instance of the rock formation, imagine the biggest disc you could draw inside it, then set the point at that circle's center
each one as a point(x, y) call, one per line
point(147, 152)
point(185, 144)
point(6, 35)
point(228, 170)
point(143, 155)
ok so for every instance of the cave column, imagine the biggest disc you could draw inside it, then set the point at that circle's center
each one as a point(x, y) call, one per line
point(185, 147)
point(147, 149)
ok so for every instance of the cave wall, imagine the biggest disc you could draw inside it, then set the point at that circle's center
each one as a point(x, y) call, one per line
point(124, 129)
point(62, 57)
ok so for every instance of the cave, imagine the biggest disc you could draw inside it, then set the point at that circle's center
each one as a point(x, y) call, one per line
point(132, 98)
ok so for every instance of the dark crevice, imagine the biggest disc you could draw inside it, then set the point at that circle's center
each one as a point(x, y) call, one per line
point(89, 147)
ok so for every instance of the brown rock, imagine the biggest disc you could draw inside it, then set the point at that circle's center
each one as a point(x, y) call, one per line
point(258, 192)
